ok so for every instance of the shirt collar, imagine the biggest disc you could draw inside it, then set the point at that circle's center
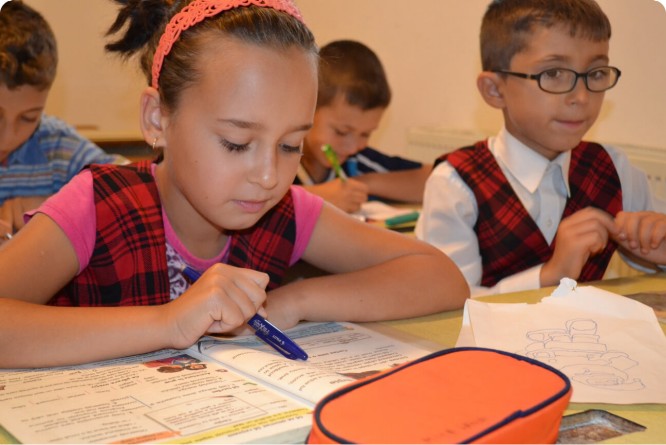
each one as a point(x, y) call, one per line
point(525, 164)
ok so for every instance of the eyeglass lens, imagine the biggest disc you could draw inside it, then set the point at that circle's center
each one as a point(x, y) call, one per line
point(564, 80)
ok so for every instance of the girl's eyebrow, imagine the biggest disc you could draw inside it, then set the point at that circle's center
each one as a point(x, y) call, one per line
point(257, 126)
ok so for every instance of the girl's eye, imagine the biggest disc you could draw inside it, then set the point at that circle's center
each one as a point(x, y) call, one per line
point(234, 147)
point(291, 148)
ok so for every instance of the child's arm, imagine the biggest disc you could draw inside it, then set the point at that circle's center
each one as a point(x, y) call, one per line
point(347, 195)
point(377, 275)
point(40, 260)
point(642, 235)
point(12, 210)
point(579, 236)
point(402, 185)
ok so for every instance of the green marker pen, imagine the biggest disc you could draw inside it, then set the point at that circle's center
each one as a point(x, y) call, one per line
point(333, 159)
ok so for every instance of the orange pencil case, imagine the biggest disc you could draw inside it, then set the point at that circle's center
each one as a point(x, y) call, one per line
point(459, 395)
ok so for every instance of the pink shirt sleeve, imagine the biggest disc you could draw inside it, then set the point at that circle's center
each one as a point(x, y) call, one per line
point(73, 209)
point(307, 207)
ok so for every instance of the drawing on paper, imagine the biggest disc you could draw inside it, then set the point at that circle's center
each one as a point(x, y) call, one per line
point(580, 354)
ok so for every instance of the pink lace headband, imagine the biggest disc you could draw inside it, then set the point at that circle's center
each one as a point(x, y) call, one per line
point(197, 11)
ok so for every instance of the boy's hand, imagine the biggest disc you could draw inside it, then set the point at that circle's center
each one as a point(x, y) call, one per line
point(642, 234)
point(579, 236)
point(221, 301)
point(347, 195)
point(6, 231)
point(12, 210)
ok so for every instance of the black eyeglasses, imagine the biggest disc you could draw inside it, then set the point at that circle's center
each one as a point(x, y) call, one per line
point(563, 80)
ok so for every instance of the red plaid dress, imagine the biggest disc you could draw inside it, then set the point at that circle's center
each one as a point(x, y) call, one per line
point(129, 264)
point(509, 239)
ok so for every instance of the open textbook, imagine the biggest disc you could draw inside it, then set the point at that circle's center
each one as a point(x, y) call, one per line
point(223, 390)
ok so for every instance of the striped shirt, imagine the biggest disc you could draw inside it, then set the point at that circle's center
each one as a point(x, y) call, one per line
point(367, 160)
point(52, 156)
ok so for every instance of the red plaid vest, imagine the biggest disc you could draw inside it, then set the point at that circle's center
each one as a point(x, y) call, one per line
point(129, 264)
point(509, 239)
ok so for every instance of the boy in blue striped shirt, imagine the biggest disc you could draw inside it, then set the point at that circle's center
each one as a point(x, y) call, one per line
point(38, 153)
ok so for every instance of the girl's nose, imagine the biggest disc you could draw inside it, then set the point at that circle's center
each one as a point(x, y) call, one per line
point(264, 171)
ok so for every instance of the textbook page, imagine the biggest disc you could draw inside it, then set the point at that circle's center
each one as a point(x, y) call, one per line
point(168, 396)
point(339, 353)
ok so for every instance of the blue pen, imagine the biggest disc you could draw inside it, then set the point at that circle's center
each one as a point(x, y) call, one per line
point(264, 329)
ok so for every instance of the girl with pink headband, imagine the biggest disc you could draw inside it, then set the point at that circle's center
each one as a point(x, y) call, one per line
point(231, 95)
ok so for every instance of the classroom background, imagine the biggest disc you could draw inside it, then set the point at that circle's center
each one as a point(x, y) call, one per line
point(430, 52)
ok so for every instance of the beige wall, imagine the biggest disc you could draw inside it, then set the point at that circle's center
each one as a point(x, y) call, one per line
point(429, 48)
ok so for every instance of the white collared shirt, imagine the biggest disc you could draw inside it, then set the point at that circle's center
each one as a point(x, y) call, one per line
point(450, 209)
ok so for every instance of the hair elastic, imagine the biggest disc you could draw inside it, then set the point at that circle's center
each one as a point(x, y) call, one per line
point(196, 12)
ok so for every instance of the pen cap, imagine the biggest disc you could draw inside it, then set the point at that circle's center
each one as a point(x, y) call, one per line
point(352, 166)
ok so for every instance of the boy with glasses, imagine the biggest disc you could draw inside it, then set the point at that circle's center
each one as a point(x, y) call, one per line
point(536, 203)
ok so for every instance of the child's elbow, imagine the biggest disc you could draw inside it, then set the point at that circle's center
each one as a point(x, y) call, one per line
point(452, 287)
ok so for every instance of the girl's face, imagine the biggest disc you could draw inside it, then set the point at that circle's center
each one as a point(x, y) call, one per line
point(233, 145)
point(552, 123)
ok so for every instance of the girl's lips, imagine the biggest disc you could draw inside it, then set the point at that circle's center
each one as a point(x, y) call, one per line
point(251, 206)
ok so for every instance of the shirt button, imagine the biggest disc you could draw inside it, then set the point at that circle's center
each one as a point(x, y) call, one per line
point(549, 223)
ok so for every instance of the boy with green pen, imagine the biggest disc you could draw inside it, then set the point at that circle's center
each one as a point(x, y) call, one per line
point(353, 95)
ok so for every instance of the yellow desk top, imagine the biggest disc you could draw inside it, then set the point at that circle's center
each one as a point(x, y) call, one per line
point(443, 329)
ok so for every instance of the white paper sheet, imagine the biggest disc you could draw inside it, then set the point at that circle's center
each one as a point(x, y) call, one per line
point(379, 211)
point(611, 347)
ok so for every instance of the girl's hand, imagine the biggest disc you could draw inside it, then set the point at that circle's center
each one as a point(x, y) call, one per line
point(283, 307)
point(221, 300)
point(642, 234)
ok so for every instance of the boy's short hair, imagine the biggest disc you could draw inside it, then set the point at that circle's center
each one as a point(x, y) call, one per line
point(508, 25)
point(352, 69)
point(28, 51)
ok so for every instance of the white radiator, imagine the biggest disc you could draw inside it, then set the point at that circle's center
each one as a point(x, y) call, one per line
point(428, 143)
point(653, 162)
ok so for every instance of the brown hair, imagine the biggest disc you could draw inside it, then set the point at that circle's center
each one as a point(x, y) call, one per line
point(147, 19)
point(508, 25)
point(352, 69)
point(28, 51)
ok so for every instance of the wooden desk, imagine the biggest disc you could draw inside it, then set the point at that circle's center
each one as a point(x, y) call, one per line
point(443, 329)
